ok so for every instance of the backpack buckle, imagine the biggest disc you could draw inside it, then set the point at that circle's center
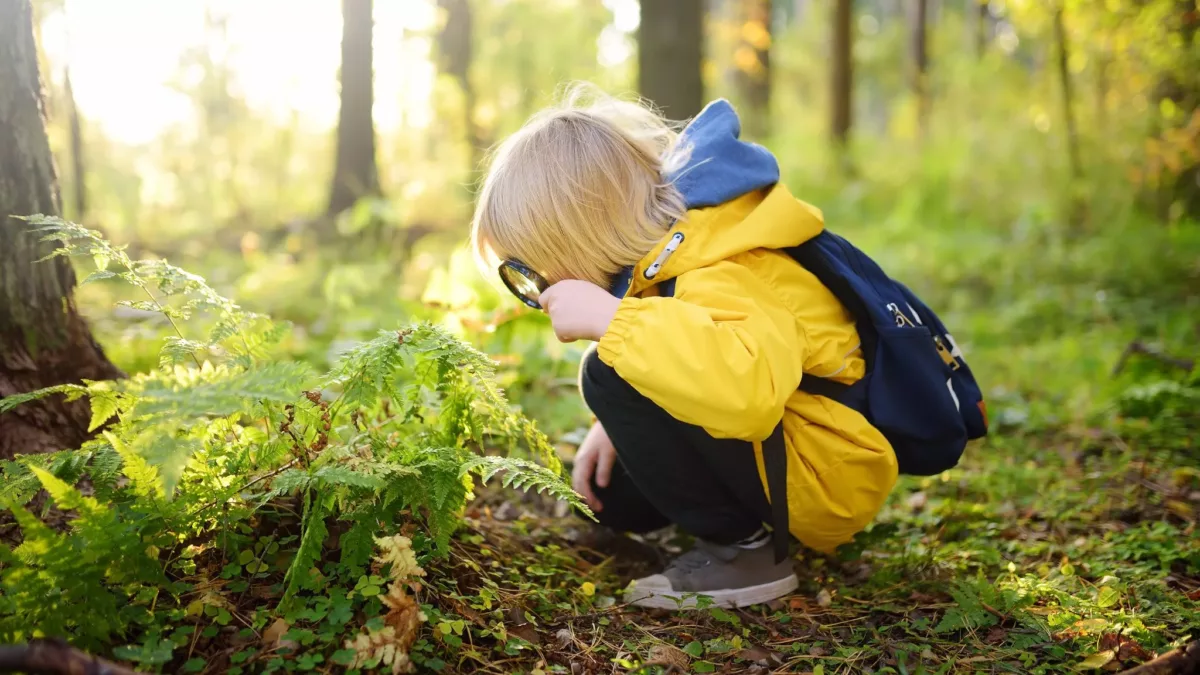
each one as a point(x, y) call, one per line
point(944, 352)
point(900, 317)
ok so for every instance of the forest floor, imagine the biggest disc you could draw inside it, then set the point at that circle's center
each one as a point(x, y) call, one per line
point(1043, 553)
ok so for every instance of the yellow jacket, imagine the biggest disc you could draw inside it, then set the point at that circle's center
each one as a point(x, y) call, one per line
point(727, 353)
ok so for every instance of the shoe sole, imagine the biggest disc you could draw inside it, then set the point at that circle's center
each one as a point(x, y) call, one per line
point(728, 597)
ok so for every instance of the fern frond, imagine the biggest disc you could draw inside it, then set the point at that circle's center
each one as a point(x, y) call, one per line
point(312, 540)
point(73, 392)
point(220, 392)
point(144, 478)
point(525, 475)
point(176, 349)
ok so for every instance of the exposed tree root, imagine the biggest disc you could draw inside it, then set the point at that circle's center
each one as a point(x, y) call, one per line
point(1182, 661)
point(55, 657)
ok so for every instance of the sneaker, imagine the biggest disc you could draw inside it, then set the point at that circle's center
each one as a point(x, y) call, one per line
point(731, 576)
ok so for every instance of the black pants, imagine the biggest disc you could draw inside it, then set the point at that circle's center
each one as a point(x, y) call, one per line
point(668, 471)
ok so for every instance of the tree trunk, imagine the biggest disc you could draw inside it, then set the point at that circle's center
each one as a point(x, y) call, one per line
point(983, 19)
point(1064, 74)
point(454, 58)
point(753, 65)
point(919, 68)
point(355, 174)
point(670, 41)
point(842, 73)
point(78, 174)
point(43, 340)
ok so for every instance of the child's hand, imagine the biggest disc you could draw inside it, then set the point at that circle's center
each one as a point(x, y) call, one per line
point(579, 310)
point(595, 458)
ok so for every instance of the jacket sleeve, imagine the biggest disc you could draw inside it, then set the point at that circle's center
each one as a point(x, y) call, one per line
point(724, 354)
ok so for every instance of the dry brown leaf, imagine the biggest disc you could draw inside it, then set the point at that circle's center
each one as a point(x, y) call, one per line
point(996, 635)
point(824, 598)
point(275, 632)
point(761, 656)
point(916, 501)
point(664, 653)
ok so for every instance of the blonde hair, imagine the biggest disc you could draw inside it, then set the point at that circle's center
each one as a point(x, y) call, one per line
point(579, 192)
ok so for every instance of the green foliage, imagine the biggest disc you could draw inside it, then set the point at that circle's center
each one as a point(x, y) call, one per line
point(203, 459)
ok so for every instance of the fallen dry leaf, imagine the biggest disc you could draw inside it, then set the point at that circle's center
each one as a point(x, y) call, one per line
point(761, 656)
point(925, 598)
point(996, 635)
point(824, 598)
point(916, 501)
point(664, 653)
point(275, 632)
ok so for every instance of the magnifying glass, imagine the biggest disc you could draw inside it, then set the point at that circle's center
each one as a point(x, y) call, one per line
point(523, 282)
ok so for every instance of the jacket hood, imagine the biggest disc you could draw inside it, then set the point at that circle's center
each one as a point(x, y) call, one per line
point(734, 199)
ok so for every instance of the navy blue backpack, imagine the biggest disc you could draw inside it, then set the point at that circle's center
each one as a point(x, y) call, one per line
point(917, 388)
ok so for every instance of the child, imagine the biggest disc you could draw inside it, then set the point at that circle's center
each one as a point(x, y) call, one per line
point(604, 207)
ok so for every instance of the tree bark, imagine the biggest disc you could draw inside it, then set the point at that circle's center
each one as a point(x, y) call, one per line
point(355, 173)
point(919, 67)
point(43, 339)
point(1068, 95)
point(842, 73)
point(753, 65)
point(78, 174)
point(670, 41)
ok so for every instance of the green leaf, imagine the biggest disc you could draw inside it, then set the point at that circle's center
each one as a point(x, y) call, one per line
point(1108, 597)
point(724, 617)
point(704, 667)
point(695, 649)
point(245, 557)
point(1098, 660)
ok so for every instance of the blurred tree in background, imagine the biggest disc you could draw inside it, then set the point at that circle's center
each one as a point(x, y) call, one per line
point(355, 174)
point(43, 339)
point(670, 50)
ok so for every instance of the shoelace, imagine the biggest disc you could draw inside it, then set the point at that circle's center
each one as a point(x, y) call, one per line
point(694, 559)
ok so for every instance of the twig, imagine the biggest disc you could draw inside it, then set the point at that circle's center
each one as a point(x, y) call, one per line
point(55, 657)
point(589, 615)
point(667, 667)
point(994, 611)
point(1138, 347)
point(1180, 661)
point(260, 479)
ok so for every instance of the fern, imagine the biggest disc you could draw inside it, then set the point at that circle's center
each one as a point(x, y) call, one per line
point(213, 446)
point(309, 552)
point(525, 475)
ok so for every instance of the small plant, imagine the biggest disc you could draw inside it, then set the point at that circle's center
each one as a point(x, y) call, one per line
point(228, 474)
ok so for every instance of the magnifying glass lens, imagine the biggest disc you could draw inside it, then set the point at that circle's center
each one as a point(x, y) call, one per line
point(523, 282)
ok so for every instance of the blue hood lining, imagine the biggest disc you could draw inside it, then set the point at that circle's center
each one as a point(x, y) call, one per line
point(718, 167)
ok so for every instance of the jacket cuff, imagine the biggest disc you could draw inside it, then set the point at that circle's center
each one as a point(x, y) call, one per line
point(612, 343)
